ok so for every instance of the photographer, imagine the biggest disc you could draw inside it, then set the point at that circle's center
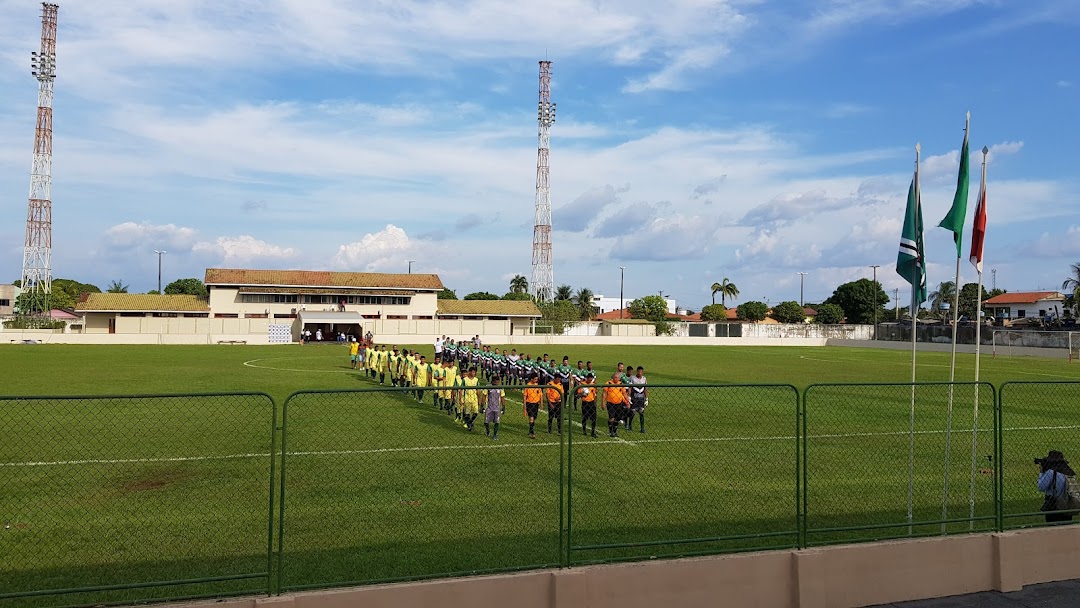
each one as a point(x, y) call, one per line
point(1054, 477)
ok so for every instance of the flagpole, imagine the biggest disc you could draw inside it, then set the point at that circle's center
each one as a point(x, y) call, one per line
point(958, 237)
point(978, 343)
point(914, 328)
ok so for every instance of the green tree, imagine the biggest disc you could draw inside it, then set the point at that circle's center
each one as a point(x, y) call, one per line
point(942, 298)
point(583, 299)
point(560, 315)
point(519, 284)
point(652, 308)
point(515, 295)
point(714, 312)
point(191, 287)
point(65, 293)
point(752, 311)
point(789, 312)
point(828, 314)
point(1071, 285)
point(969, 296)
point(564, 292)
point(481, 295)
point(153, 292)
point(726, 289)
point(447, 294)
point(117, 287)
point(859, 299)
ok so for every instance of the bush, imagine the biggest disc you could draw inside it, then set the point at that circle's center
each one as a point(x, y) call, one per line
point(829, 314)
point(752, 311)
point(33, 323)
point(789, 312)
point(664, 328)
point(714, 312)
point(481, 295)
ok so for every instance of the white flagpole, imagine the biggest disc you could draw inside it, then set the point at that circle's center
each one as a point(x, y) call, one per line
point(914, 331)
point(978, 337)
point(952, 367)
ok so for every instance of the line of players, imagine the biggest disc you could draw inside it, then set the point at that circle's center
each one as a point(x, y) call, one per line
point(622, 397)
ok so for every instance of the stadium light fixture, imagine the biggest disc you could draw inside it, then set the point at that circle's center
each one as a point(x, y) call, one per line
point(159, 254)
point(622, 275)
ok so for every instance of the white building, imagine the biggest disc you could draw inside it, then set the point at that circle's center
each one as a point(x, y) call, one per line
point(1026, 304)
point(606, 304)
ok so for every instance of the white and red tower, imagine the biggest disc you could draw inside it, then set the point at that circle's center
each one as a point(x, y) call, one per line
point(37, 251)
point(543, 276)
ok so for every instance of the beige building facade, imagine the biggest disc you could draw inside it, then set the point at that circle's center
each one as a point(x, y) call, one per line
point(7, 300)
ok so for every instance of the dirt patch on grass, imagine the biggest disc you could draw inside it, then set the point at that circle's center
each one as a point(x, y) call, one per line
point(156, 480)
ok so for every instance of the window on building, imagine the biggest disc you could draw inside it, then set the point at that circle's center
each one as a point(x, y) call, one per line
point(226, 315)
point(133, 314)
point(357, 300)
point(421, 317)
point(397, 317)
point(268, 298)
point(196, 315)
point(251, 315)
point(168, 315)
point(1042, 312)
point(496, 318)
point(5, 302)
point(1020, 314)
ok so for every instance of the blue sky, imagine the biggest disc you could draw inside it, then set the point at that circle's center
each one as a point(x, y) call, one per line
point(695, 139)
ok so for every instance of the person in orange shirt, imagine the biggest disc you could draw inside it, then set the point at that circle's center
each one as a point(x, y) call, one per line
point(616, 400)
point(532, 395)
point(555, 399)
point(587, 392)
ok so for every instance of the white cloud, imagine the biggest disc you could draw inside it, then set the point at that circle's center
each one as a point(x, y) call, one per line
point(243, 249)
point(385, 251)
point(144, 235)
point(1064, 84)
point(669, 238)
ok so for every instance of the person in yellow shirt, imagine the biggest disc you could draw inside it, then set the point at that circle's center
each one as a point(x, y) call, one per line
point(532, 396)
point(587, 392)
point(421, 377)
point(448, 378)
point(383, 363)
point(555, 398)
point(438, 376)
point(354, 352)
point(615, 401)
point(369, 362)
point(470, 398)
point(392, 366)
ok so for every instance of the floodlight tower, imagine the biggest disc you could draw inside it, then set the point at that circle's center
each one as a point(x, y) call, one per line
point(37, 250)
point(543, 277)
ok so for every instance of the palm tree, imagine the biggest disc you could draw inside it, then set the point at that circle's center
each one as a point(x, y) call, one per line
point(1072, 284)
point(117, 287)
point(564, 292)
point(726, 289)
point(942, 297)
point(584, 301)
point(519, 284)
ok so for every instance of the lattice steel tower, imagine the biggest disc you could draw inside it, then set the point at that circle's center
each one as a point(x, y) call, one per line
point(37, 251)
point(543, 277)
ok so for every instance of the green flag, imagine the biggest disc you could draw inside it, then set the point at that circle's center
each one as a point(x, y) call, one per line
point(954, 220)
point(910, 262)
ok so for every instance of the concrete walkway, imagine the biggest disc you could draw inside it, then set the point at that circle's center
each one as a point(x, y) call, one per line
point(1063, 594)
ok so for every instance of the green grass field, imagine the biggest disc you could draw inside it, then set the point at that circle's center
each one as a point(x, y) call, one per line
point(97, 492)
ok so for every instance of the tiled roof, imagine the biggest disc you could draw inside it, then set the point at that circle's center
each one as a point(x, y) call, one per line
point(321, 278)
point(1023, 297)
point(492, 308)
point(136, 302)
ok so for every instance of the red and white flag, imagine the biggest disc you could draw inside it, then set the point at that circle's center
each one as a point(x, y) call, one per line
point(978, 232)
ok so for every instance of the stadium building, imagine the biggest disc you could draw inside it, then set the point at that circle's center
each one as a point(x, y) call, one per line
point(260, 306)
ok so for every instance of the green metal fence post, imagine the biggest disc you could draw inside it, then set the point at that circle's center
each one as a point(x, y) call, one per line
point(800, 466)
point(270, 512)
point(281, 498)
point(562, 469)
point(999, 456)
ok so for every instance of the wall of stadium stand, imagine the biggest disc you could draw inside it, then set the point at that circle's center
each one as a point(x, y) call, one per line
point(844, 576)
point(254, 331)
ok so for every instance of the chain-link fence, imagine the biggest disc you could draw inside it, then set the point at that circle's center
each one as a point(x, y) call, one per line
point(391, 484)
point(897, 460)
point(123, 499)
point(1036, 417)
point(700, 470)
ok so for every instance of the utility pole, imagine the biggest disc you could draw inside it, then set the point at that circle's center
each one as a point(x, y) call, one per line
point(159, 254)
point(876, 288)
point(896, 298)
point(410, 265)
point(622, 275)
point(802, 278)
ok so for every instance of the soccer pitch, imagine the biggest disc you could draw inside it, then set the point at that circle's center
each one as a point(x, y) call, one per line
point(380, 487)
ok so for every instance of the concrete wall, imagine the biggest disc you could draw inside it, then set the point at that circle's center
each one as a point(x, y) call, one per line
point(933, 347)
point(846, 576)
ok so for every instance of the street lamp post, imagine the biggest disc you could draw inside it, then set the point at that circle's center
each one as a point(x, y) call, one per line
point(802, 279)
point(876, 287)
point(622, 275)
point(410, 265)
point(159, 254)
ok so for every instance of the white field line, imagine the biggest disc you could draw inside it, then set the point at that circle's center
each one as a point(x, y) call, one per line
point(497, 446)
